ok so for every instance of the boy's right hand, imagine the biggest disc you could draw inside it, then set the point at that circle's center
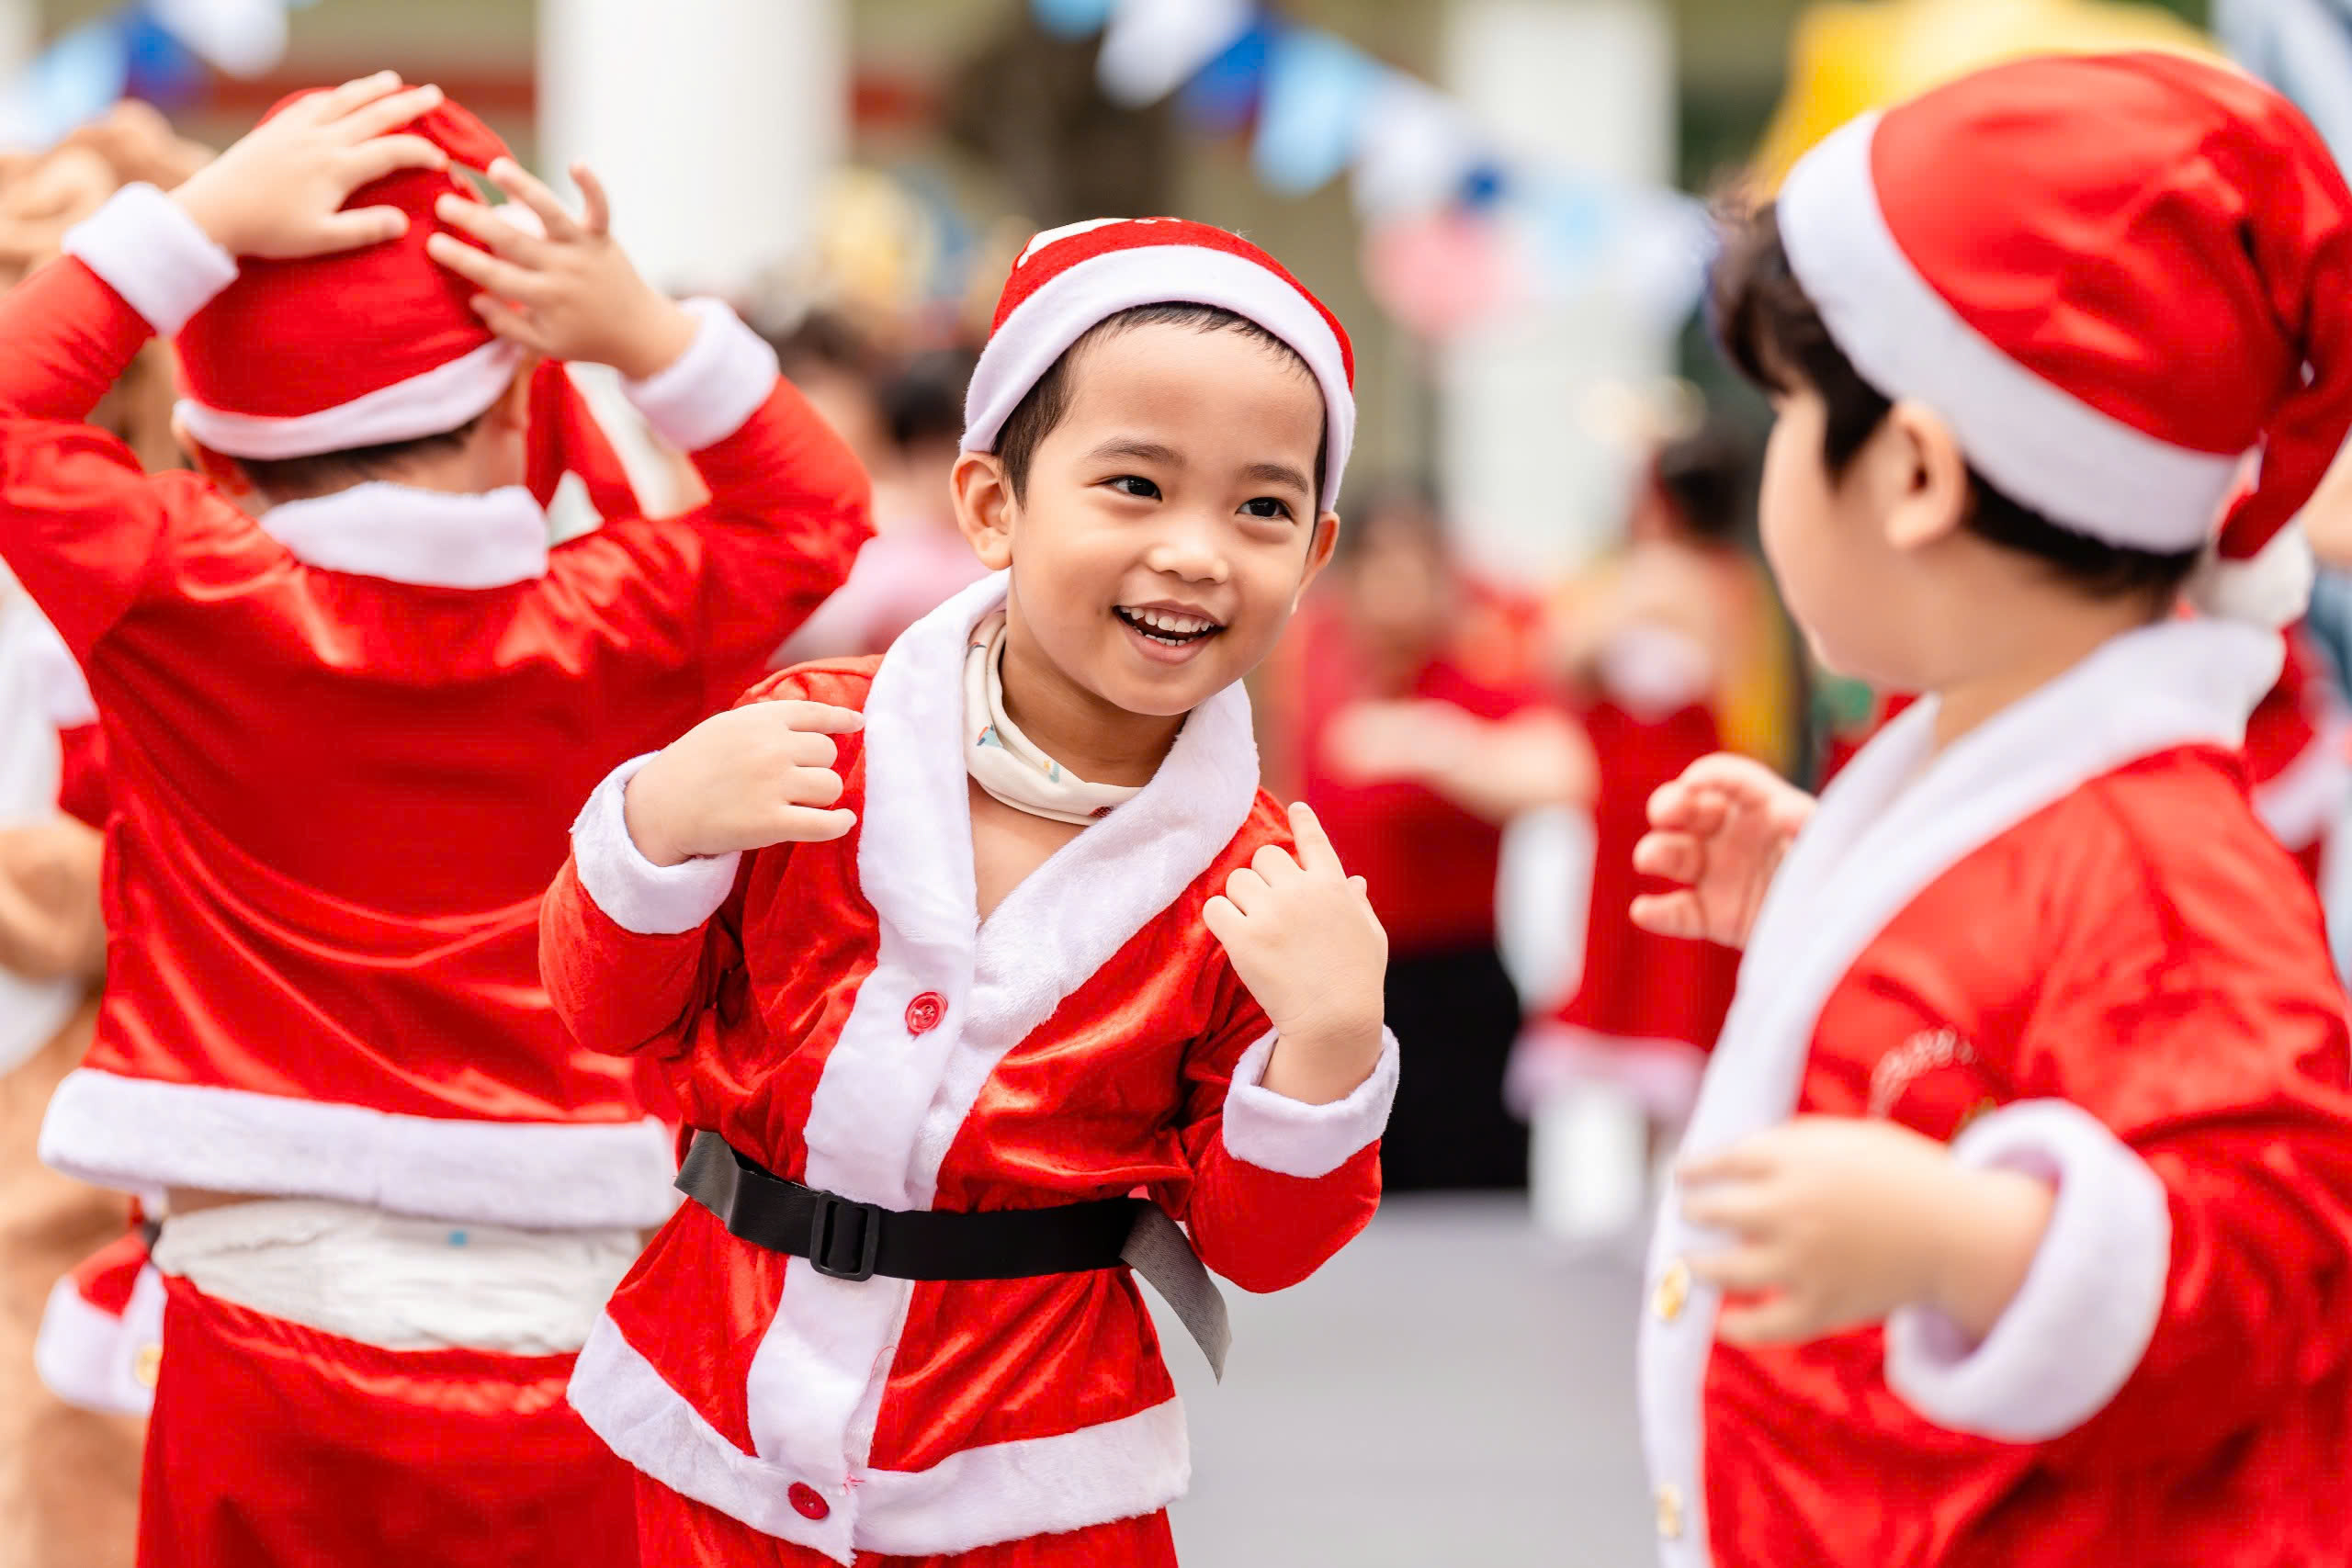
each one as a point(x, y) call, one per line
point(279, 192)
point(1721, 829)
point(744, 779)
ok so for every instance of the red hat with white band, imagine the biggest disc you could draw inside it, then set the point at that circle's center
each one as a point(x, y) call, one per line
point(1070, 280)
point(2125, 281)
point(324, 354)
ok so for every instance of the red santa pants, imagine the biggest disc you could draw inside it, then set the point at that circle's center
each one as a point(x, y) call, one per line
point(273, 1444)
point(678, 1532)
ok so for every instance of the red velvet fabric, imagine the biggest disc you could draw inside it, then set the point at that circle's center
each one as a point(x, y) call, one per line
point(678, 1532)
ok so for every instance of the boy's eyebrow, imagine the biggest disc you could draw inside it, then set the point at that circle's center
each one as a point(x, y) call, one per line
point(1141, 451)
point(1275, 474)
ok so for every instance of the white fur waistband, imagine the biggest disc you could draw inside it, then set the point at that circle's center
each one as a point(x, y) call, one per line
point(399, 1283)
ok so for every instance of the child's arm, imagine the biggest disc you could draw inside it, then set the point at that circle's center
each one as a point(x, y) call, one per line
point(79, 521)
point(788, 502)
point(2132, 1274)
point(629, 947)
point(1289, 1100)
point(1721, 829)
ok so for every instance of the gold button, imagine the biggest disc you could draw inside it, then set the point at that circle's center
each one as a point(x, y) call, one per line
point(1669, 1512)
point(1673, 1291)
point(148, 1366)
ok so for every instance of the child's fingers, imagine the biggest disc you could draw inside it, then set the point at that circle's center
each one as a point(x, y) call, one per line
point(527, 188)
point(597, 216)
point(387, 113)
point(336, 102)
point(485, 224)
point(1686, 806)
point(1677, 914)
point(1777, 1320)
point(805, 825)
point(387, 155)
point(1315, 851)
point(480, 267)
point(1246, 890)
point(508, 322)
point(821, 719)
point(360, 227)
point(1743, 1207)
point(1222, 919)
point(1741, 1268)
point(1744, 1161)
point(1273, 864)
point(1360, 887)
point(1678, 857)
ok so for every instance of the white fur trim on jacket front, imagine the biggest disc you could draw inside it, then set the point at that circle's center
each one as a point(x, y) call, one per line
point(2090, 1302)
point(635, 893)
point(137, 1134)
point(1291, 1137)
point(1003, 1490)
point(720, 382)
point(147, 249)
point(2039, 444)
point(90, 1357)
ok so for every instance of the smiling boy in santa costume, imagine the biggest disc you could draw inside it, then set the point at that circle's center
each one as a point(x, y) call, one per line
point(955, 953)
point(351, 697)
point(2015, 1222)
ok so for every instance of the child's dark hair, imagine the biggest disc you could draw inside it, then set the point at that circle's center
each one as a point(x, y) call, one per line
point(1773, 333)
point(290, 478)
point(1034, 417)
point(924, 401)
point(1708, 478)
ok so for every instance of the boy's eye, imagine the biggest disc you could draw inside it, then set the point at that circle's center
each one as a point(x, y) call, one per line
point(1134, 485)
point(1266, 506)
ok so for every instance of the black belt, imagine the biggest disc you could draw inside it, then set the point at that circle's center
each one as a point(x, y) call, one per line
point(848, 1240)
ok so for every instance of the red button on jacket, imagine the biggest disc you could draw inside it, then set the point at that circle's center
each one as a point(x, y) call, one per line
point(924, 1012)
point(805, 1501)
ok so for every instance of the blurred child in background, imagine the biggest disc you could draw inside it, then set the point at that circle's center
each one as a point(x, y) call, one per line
point(1420, 735)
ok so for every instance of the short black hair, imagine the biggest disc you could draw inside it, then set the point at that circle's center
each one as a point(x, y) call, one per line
point(924, 401)
point(291, 477)
point(1773, 334)
point(1047, 402)
point(1708, 478)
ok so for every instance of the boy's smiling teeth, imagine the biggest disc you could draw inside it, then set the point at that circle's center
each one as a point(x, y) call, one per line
point(1170, 627)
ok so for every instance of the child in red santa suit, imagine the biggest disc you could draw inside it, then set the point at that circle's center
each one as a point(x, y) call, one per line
point(2015, 1222)
point(956, 952)
point(351, 697)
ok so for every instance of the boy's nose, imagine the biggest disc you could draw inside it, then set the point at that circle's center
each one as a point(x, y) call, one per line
point(1189, 550)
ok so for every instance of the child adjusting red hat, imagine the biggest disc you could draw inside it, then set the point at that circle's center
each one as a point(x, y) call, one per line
point(1070, 280)
point(325, 353)
point(2119, 278)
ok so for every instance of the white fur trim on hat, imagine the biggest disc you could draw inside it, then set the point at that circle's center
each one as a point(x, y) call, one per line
point(1063, 310)
point(145, 247)
point(2273, 589)
point(440, 399)
point(2035, 442)
point(2076, 1332)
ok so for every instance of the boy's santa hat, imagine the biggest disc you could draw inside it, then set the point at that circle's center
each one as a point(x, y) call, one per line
point(2125, 280)
point(324, 354)
point(1070, 280)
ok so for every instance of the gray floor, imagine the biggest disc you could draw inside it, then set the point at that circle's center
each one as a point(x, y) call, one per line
point(1446, 1392)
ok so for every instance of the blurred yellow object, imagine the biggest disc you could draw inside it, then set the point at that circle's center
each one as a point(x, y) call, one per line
point(1846, 57)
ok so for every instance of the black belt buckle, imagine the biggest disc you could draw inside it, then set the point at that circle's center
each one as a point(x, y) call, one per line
point(826, 1228)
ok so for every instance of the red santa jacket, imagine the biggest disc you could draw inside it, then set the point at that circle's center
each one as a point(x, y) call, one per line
point(838, 1013)
point(2067, 945)
point(2295, 755)
point(344, 745)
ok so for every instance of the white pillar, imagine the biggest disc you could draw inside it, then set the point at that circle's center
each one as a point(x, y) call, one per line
point(714, 123)
point(1582, 85)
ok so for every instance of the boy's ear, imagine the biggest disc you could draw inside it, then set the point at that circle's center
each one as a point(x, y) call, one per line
point(1918, 475)
point(1326, 539)
point(985, 508)
point(513, 409)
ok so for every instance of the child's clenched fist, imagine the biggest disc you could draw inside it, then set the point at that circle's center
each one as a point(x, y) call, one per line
point(753, 776)
point(1302, 936)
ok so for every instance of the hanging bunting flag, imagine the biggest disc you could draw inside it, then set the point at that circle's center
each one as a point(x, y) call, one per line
point(1441, 273)
point(74, 80)
point(1317, 91)
point(1150, 48)
point(160, 69)
point(1222, 98)
point(243, 38)
point(1416, 150)
point(1071, 18)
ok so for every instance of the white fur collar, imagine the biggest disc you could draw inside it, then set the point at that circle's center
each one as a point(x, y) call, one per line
point(423, 537)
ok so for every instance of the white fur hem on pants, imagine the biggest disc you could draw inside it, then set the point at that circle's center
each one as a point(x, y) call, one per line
point(140, 1135)
point(1001, 1492)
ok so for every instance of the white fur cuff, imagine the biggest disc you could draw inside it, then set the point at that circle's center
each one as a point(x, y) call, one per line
point(2090, 1302)
point(147, 250)
point(635, 893)
point(720, 381)
point(1291, 1137)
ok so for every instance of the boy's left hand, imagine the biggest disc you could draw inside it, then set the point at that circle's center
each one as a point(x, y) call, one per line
point(1302, 936)
point(1837, 1222)
point(571, 293)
